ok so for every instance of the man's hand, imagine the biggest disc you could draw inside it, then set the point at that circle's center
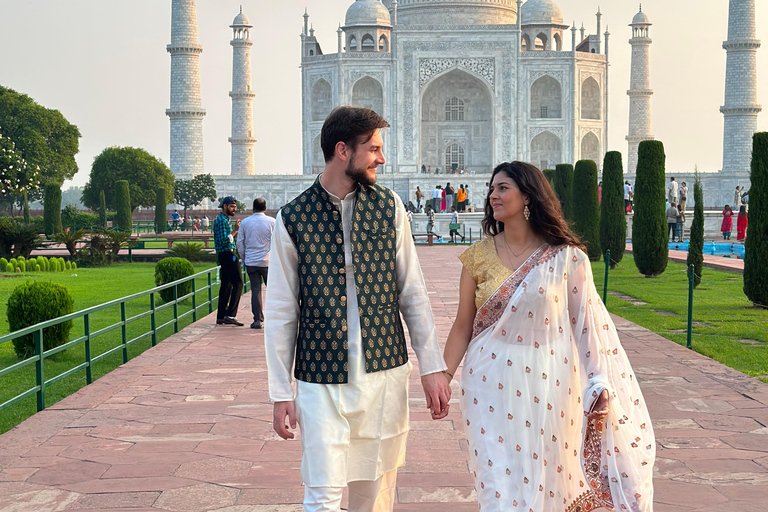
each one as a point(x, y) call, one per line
point(438, 393)
point(280, 411)
point(600, 409)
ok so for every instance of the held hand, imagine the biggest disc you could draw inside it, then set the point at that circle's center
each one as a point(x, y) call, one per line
point(600, 410)
point(281, 410)
point(438, 393)
point(237, 223)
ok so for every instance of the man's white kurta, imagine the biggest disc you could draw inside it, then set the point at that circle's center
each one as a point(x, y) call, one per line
point(355, 431)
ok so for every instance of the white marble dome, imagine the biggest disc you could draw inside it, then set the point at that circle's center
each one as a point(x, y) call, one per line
point(241, 19)
point(366, 13)
point(641, 19)
point(453, 12)
point(541, 12)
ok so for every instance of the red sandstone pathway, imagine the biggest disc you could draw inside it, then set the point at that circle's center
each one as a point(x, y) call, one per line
point(186, 427)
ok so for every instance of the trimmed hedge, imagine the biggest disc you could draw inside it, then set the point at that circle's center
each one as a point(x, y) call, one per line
point(696, 244)
point(564, 189)
point(613, 219)
point(35, 302)
point(169, 270)
point(649, 230)
point(586, 211)
point(160, 210)
point(52, 210)
point(102, 210)
point(756, 244)
point(123, 220)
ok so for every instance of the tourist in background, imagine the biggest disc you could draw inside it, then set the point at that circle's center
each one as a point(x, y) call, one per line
point(175, 219)
point(430, 220)
point(737, 197)
point(205, 223)
point(455, 226)
point(231, 280)
point(672, 192)
point(727, 226)
point(449, 196)
point(436, 198)
point(627, 192)
point(741, 224)
point(443, 193)
point(254, 240)
point(461, 199)
point(468, 200)
point(544, 369)
point(419, 196)
point(683, 195)
point(680, 222)
point(672, 213)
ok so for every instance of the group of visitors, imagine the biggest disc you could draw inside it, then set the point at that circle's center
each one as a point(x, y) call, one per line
point(443, 200)
point(181, 223)
point(675, 221)
point(545, 385)
point(742, 222)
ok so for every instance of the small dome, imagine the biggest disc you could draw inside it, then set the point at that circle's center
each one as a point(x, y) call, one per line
point(541, 12)
point(367, 13)
point(640, 18)
point(241, 19)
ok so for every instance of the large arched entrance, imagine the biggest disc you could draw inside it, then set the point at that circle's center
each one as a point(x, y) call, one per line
point(368, 93)
point(457, 123)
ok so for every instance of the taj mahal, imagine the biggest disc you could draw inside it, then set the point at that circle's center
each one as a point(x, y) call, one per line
point(465, 85)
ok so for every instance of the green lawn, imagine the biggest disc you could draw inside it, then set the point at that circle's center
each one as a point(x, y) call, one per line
point(727, 327)
point(89, 287)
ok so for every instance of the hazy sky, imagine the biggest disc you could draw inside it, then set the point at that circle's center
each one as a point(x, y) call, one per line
point(103, 64)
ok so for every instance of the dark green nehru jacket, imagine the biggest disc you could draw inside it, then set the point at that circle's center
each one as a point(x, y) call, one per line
point(314, 224)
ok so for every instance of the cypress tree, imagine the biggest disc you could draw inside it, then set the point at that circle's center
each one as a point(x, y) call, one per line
point(586, 211)
point(102, 210)
point(160, 206)
point(52, 210)
point(696, 245)
point(564, 189)
point(649, 230)
point(123, 220)
point(613, 219)
point(550, 175)
point(756, 244)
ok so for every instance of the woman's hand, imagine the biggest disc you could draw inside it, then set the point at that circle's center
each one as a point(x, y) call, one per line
point(600, 409)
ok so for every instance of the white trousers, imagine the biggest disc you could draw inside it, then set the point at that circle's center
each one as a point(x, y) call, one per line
point(364, 496)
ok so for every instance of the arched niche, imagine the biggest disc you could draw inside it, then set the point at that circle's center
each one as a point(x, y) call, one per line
point(367, 44)
point(474, 132)
point(368, 92)
point(318, 160)
point(322, 103)
point(591, 101)
point(590, 148)
point(546, 150)
point(525, 43)
point(383, 44)
point(541, 42)
point(546, 98)
point(352, 44)
point(558, 42)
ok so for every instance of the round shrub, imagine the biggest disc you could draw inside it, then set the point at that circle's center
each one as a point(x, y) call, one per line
point(69, 265)
point(35, 302)
point(62, 264)
point(9, 268)
point(14, 262)
point(3, 262)
point(172, 269)
point(37, 268)
point(22, 265)
point(20, 258)
point(41, 262)
point(74, 266)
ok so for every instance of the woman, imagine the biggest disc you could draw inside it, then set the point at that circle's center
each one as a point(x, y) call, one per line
point(543, 363)
point(680, 226)
point(727, 226)
point(741, 224)
point(442, 202)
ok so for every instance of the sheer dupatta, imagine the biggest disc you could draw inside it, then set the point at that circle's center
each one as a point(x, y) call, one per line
point(618, 453)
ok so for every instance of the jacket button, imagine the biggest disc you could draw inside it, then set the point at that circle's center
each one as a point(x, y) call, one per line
point(339, 240)
point(343, 299)
point(344, 328)
point(342, 271)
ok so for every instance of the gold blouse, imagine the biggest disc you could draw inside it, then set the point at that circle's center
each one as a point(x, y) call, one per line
point(485, 267)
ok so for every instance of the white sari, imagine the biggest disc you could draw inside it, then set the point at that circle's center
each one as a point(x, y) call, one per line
point(543, 349)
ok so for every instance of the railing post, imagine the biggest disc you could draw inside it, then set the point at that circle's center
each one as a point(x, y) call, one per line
point(39, 370)
point(690, 305)
point(605, 283)
point(124, 330)
point(194, 301)
point(130, 254)
point(210, 294)
point(175, 309)
point(87, 332)
point(152, 318)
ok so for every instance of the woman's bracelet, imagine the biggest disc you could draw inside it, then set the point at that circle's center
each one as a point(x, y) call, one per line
point(449, 374)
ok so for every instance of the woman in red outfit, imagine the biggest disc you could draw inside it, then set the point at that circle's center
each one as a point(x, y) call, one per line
point(727, 226)
point(741, 224)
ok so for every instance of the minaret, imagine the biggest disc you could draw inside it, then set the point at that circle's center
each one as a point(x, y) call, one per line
point(242, 139)
point(640, 87)
point(741, 108)
point(186, 112)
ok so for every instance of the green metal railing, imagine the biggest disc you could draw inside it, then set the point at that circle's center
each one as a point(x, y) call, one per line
point(210, 277)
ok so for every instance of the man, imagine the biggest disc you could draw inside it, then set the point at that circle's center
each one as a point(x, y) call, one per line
point(430, 220)
point(231, 280)
point(627, 192)
point(468, 200)
point(175, 218)
point(683, 196)
point(342, 270)
point(253, 244)
point(737, 198)
point(449, 193)
point(672, 192)
point(205, 223)
point(419, 196)
point(461, 198)
point(672, 214)
point(436, 197)
point(455, 226)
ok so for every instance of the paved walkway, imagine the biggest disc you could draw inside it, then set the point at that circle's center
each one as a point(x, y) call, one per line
point(187, 427)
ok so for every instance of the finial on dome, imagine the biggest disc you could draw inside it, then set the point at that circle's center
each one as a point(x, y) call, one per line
point(641, 7)
point(241, 8)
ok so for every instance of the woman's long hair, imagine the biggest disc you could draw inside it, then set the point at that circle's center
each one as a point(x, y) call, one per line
point(546, 215)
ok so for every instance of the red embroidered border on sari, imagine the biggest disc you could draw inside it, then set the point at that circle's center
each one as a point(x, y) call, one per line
point(490, 312)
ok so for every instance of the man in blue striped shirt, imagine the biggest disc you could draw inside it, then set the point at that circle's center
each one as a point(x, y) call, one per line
point(231, 280)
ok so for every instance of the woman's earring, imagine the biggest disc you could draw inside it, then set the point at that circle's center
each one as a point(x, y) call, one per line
point(527, 213)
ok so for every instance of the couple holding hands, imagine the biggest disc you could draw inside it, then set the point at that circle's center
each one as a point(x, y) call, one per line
point(554, 416)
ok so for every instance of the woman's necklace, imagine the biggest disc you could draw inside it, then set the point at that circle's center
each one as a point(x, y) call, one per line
point(513, 252)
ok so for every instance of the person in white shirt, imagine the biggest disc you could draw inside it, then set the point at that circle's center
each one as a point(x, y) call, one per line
point(253, 244)
point(627, 193)
point(673, 189)
point(683, 196)
point(343, 270)
point(206, 222)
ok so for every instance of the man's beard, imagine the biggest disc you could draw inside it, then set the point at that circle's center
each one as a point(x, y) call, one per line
point(359, 175)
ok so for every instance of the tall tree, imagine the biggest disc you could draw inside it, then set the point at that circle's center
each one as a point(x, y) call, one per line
point(160, 209)
point(144, 173)
point(564, 189)
point(613, 219)
point(192, 192)
point(52, 210)
point(44, 137)
point(756, 244)
point(586, 211)
point(696, 245)
point(649, 229)
point(102, 209)
point(123, 220)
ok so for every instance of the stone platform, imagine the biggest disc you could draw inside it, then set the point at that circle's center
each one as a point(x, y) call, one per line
point(187, 427)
